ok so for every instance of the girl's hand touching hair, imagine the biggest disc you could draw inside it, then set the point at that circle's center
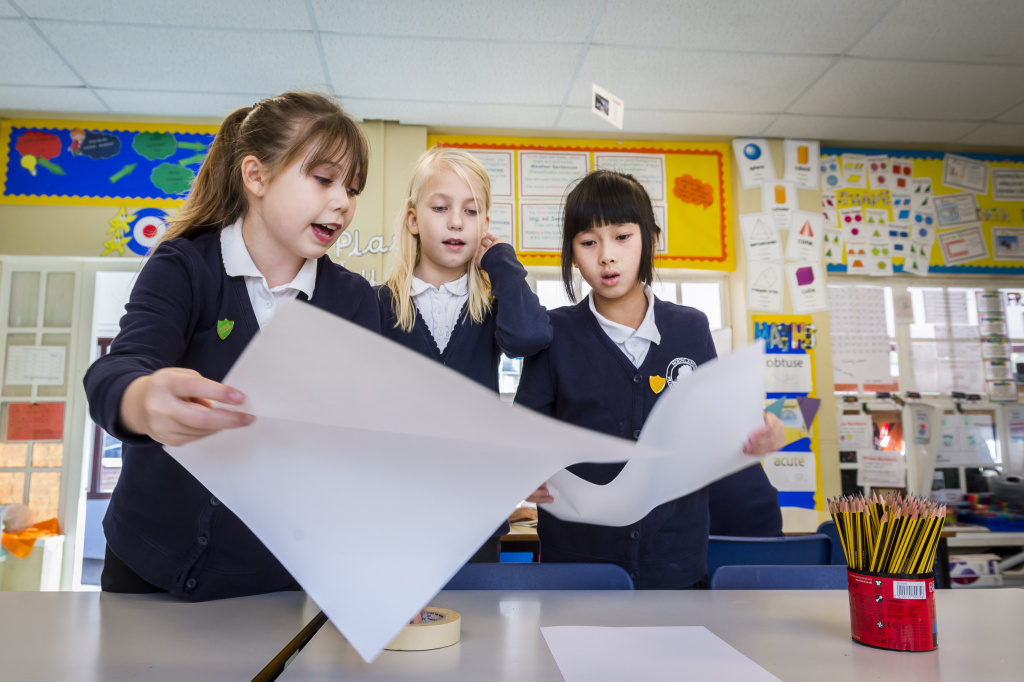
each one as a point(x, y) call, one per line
point(768, 438)
point(175, 406)
point(487, 242)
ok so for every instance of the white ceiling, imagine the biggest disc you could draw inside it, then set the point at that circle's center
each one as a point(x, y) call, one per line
point(923, 71)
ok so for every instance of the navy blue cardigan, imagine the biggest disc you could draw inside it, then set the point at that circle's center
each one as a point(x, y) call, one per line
point(583, 378)
point(162, 522)
point(745, 504)
point(517, 323)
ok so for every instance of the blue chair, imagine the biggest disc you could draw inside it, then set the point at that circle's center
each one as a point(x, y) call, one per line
point(779, 578)
point(829, 528)
point(554, 576)
point(796, 550)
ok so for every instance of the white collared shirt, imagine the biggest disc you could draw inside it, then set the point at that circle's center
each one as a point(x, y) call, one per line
point(633, 342)
point(265, 301)
point(440, 308)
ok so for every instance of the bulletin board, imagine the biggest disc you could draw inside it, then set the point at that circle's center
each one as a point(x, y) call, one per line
point(795, 470)
point(950, 213)
point(689, 184)
point(99, 163)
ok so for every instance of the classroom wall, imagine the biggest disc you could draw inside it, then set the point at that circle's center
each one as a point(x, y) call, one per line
point(79, 231)
point(749, 201)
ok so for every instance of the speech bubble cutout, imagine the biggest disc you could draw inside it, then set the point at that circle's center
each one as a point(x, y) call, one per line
point(172, 178)
point(693, 191)
point(39, 144)
point(100, 146)
point(155, 146)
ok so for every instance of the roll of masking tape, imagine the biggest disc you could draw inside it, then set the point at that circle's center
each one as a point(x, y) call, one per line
point(440, 628)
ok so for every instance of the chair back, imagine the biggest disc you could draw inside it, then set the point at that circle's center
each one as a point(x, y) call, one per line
point(553, 576)
point(780, 578)
point(829, 528)
point(796, 550)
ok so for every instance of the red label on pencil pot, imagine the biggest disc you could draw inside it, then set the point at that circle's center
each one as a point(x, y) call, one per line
point(893, 611)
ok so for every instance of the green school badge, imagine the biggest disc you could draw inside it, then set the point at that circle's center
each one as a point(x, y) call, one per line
point(224, 328)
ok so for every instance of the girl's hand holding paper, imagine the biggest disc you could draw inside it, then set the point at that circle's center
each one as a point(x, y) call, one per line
point(768, 438)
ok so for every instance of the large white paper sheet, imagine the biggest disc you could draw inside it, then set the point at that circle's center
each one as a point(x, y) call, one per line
point(593, 653)
point(356, 440)
point(703, 421)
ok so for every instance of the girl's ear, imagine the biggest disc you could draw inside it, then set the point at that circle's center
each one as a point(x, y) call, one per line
point(252, 176)
point(410, 221)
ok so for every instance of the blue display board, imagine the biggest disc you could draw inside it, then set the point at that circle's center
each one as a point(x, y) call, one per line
point(56, 162)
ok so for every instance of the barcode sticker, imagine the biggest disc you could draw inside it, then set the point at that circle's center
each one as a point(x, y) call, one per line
point(908, 589)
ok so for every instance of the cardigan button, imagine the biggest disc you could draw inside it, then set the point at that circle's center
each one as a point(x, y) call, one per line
point(214, 501)
point(634, 575)
point(190, 583)
point(203, 540)
point(637, 378)
point(636, 435)
point(634, 534)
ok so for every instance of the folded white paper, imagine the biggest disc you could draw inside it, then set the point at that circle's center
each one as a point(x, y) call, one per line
point(702, 423)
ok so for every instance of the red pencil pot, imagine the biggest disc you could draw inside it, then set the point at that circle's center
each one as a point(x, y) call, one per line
point(889, 611)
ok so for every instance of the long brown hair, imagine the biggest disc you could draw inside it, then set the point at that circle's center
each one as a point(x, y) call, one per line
point(276, 131)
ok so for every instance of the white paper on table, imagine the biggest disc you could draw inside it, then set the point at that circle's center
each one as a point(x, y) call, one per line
point(356, 441)
point(692, 422)
point(593, 654)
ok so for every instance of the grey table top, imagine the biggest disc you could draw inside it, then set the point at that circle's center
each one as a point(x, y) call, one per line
point(796, 636)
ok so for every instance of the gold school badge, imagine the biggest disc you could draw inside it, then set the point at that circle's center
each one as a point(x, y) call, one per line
point(657, 384)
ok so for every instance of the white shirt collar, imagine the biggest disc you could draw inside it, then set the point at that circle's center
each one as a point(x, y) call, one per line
point(238, 262)
point(458, 287)
point(620, 333)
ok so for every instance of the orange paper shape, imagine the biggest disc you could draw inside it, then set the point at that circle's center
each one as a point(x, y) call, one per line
point(35, 421)
point(20, 544)
point(691, 190)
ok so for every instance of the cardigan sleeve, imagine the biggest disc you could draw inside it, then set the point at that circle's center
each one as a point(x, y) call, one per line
point(521, 322)
point(367, 313)
point(155, 329)
point(537, 386)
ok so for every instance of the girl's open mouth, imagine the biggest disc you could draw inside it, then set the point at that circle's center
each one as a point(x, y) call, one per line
point(324, 232)
point(454, 244)
point(610, 278)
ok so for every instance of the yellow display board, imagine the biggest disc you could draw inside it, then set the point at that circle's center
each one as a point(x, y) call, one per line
point(951, 213)
point(689, 183)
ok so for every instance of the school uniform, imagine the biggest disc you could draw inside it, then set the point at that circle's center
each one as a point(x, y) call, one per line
point(517, 325)
point(587, 378)
point(745, 504)
point(162, 523)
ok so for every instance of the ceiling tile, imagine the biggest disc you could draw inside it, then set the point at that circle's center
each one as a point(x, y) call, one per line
point(923, 90)
point(29, 98)
point(1014, 115)
point(696, 81)
point(26, 59)
point(1001, 134)
point(188, 60)
point(780, 26)
point(266, 14)
point(444, 114)
point(949, 30)
point(433, 71)
point(527, 20)
point(668, 122)
point(868, 129)
point(177, 103)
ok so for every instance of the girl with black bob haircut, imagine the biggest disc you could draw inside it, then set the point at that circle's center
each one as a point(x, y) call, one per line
point(611, 356)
